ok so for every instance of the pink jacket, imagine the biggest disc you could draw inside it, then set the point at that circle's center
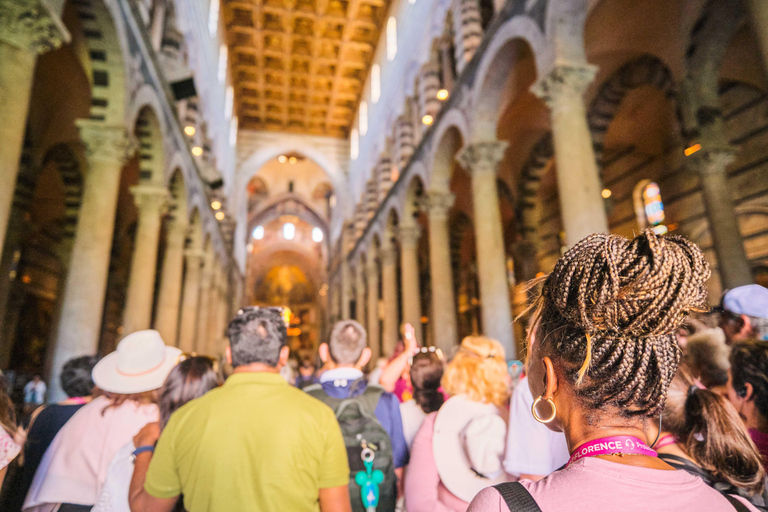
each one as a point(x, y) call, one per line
point(424, 492)
point(74, 467)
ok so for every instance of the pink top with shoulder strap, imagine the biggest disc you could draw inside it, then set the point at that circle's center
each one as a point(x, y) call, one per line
point(8, 448)
point(597, 485)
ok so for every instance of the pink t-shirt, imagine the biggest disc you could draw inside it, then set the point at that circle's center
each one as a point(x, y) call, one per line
point(597, 485)
point(424, 491)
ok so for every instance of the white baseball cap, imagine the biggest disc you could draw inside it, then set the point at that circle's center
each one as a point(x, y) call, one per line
point(141, 363)
point(750, 300)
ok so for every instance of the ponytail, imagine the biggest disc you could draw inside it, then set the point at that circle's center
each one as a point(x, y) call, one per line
point(712, 434)
point(426, 373)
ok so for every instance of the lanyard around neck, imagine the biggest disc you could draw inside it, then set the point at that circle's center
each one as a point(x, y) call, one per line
point(614, 445)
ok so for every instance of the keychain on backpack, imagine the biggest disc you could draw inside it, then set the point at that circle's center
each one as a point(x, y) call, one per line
point(369, 481)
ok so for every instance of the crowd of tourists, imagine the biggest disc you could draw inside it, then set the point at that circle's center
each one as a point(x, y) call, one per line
point(635, 396)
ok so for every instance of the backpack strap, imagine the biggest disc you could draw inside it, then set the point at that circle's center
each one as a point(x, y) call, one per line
point(370, 397)
point(517, 497)
point(737, 504)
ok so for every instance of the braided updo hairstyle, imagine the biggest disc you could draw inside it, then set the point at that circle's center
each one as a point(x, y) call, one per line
point(608, 313)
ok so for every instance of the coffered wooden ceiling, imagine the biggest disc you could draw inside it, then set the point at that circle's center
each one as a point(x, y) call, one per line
point(299, 65)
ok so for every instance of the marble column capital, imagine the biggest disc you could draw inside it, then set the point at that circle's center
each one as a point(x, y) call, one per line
point(438, 204)
point(193, 253)
point(372, 271)
point(409, 236)
point(388, 256)
point(564, 81)
point(713, 160)
point(31, 25)
point(482, 157)
point(112, 144)
point(151, 200)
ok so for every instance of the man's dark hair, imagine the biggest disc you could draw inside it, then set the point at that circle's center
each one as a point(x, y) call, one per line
point(348, 340)
point(256, 335)
point(76, 378)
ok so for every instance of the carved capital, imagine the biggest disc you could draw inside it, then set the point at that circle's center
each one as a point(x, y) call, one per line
point(439, 203)
point(563, 84)
point(482, 156)
point(151, 200)
point(112, 144)
point(31, 25)
point(388, 256)
point(713, 160)
point(409, 236)
point(194, 254)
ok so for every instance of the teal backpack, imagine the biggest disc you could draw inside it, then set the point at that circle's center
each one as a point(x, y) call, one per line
point(364, 437)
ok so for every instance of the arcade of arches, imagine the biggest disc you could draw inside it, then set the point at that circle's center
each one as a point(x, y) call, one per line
point(385, 160)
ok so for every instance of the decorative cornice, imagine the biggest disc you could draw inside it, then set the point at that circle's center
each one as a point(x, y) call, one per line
point(31, 25)
point(106, 143)
point(563, 82)
point(482, 156)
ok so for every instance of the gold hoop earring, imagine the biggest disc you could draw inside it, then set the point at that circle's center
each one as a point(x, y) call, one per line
point(536, 414)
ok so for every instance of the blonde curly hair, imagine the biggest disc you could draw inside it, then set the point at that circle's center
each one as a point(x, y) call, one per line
point(479, 371)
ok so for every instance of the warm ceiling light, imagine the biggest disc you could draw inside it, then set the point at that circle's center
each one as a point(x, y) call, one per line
point(197, 151)
point(258, 233)
point(189, 130)
point(317, 235)
point(293, 160)
point(220, 215)
point(282, 159)
point(427, 119)
point(216, 205)
point(442, 94)
point(691, 150)
point(606, 193)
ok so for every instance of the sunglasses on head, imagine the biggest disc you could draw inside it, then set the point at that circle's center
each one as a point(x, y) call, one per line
point(426, 350)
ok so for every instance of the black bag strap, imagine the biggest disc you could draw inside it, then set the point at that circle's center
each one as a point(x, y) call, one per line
point(517, 497)
point(737, 504)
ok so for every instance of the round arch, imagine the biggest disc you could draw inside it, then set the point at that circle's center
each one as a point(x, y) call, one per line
point(151, 151)
point(450, 141)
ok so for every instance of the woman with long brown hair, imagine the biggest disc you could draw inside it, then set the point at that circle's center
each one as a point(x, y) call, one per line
point(603, 354)
point(703, 435)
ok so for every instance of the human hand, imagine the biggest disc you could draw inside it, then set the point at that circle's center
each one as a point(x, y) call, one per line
point(409, 333)
point(148, 435)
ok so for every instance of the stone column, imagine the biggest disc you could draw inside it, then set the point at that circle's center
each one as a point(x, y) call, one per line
point(384, 176)
point(201, 338)
point(732, 264)
point(27, 29)
point(758, 10)
point(578, 178)
point(468, 26)
point(360, 311)
point(446, 63)
point(403, 141)
point(429, 86)
point(482, 160)
point(224, 318)
point(346, 289)
point(444, 326)
point(190, 299)
point(372, 274)
point(169, 300)
point(152, 203)
point(107, 149)
point(409, 277)
point(212, 338)
point(391, 322)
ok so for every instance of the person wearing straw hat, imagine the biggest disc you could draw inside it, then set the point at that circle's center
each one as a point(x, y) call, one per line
point(458, 450)
point(74, 467)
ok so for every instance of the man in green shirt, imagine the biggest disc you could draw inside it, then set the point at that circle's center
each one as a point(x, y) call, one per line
point(254, 444)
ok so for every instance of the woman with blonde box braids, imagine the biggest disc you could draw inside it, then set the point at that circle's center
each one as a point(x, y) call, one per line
point(603, 353)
